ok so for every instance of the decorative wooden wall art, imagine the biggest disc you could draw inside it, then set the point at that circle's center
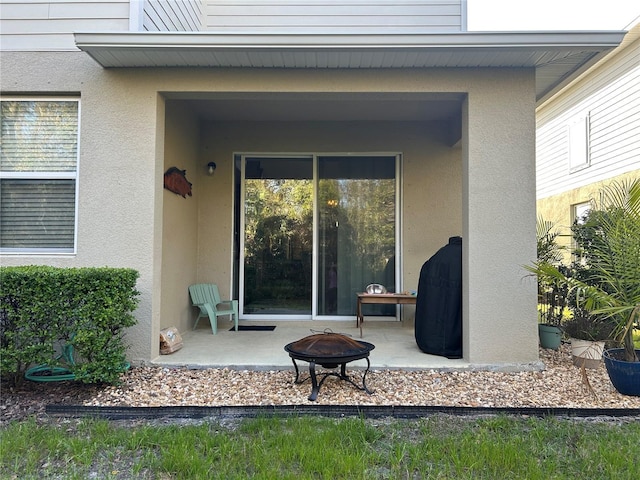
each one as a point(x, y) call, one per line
point(175, 181)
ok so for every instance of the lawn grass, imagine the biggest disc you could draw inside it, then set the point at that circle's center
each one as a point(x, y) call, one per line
point(439, 447)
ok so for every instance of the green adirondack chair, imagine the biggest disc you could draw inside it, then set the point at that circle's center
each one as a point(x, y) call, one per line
point(206, 297)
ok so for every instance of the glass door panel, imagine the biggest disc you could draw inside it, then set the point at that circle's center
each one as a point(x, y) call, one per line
point(278, 236)
point(352, 222)
point(356, 231)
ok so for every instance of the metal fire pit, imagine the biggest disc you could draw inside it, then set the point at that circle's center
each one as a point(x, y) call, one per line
point(329, 350)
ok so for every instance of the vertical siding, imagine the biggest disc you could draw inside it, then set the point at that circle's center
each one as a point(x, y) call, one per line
point(173, 15)
point(334, 16)
point(610, 94)
point(35, 25)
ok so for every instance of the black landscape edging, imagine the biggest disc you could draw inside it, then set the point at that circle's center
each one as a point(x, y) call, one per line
point(365, 411)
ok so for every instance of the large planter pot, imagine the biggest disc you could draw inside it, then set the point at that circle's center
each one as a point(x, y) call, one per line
point(550, 336)
point(586, 353)
point(625, 376)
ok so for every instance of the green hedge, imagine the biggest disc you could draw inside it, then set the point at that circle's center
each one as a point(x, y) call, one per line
point(43, 309)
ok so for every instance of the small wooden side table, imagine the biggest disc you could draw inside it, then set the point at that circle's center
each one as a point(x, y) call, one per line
point(381, 298)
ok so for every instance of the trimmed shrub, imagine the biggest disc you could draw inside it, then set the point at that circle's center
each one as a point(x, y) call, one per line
point(43, 309)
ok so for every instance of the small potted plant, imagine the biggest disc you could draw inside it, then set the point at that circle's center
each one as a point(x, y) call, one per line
point(609, 248)
point(588, 335)
point(552, 295)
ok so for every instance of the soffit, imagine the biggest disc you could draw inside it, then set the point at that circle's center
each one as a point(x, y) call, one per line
point(320, 107)
point(556, 56)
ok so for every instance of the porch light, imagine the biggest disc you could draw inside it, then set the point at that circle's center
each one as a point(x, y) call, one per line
point(211, 168)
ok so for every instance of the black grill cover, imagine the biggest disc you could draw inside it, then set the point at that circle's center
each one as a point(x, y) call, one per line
point(438, 324)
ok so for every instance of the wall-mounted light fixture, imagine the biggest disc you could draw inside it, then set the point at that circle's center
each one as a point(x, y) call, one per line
point(211, 168)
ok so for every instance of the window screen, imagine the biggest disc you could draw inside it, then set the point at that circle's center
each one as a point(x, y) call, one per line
point(38, 164)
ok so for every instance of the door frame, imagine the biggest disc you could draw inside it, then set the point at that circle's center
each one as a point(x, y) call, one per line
point(239, 220)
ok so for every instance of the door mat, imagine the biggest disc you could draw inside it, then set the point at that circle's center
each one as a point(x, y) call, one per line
point(254, 328)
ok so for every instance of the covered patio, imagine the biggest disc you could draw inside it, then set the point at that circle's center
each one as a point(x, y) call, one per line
point(395, 347)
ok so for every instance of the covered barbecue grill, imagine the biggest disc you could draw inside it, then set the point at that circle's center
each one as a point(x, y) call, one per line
point(438, 320)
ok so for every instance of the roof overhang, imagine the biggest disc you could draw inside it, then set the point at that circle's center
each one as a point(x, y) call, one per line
point(557, 57)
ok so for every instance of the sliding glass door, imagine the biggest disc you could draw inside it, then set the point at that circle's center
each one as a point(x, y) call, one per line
point(278, 235)
point(356, 229)
point(315, 231)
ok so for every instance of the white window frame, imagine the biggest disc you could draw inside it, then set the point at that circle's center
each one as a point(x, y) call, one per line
point(578, 133)
point(579, 210)
point(31, 175)
point(314, 306)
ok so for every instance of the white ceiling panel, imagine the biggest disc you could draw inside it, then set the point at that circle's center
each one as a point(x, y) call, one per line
point(556, 56)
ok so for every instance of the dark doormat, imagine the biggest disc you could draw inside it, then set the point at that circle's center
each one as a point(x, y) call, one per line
point(254, 328)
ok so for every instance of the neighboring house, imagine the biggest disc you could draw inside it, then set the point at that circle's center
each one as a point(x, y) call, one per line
point(588, 134)
point(351, 140)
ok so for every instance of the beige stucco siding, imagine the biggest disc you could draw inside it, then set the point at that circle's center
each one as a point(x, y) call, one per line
point(127, 219)
point(119, 176)
point(179, 239)
point(499, 165)
point(558, 209)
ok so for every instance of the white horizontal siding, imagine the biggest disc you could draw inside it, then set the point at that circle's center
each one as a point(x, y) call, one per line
point(21, 27)
point(36, 25)
point(174, 15)
point(610, 94)
point(334, 16)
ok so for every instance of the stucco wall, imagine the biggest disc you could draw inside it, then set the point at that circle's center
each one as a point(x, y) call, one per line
point(122, 161)
point(559, 208)
point(499, 224)
point(120, 172)
point(180, 218)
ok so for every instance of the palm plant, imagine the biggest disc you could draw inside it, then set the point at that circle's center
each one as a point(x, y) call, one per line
point(610, 249)
point(552, 295)
point(547, 247)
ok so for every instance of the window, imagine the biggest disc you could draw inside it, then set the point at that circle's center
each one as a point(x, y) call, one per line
point(579, 156)
point(580, 212)
point(38, 171)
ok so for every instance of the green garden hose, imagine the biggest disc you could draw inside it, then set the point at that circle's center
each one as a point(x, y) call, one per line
point(45, 373)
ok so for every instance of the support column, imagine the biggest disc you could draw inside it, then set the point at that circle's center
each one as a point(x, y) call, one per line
point(499, 217)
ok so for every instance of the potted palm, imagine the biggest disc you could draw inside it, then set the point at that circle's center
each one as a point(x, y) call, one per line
point(588, 335)
point(587, 332)
point(552, 295)
point(609, 249)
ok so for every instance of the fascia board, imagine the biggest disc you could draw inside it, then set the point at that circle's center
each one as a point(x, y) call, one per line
point(473, 40)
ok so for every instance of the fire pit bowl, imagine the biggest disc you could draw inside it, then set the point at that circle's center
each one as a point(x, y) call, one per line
point(329, 350)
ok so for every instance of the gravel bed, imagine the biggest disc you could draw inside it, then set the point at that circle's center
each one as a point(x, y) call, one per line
point(561, 384)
